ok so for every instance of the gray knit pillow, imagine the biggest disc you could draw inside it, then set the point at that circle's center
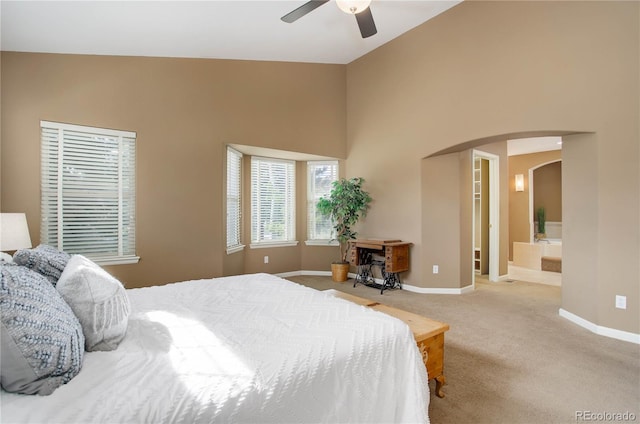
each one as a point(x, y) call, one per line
point(42, 340)
point(44, 259)
point(99, 301)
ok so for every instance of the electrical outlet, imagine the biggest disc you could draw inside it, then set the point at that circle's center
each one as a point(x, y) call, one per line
point(621, 302)
point(435, 269)
point(266, 259)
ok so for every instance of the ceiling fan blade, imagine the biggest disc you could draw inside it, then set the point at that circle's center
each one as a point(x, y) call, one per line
point(366, 23)
point(303, 10)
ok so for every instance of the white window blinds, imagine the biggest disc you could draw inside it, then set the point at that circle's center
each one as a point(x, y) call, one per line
point(273, 214)
point(88, 191)
point(320, 176)
point(234, 199)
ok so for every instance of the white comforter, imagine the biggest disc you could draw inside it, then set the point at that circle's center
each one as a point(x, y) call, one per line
point(251, 348)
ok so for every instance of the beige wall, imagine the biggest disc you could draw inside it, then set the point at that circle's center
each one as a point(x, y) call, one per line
point(519, 201)
point(582, 281)
point(487, 70)
point(547, 191)
point(441, 223)
point(480, 71)
point(184, 111)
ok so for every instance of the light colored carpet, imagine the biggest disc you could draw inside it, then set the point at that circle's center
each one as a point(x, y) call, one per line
point(510, 358)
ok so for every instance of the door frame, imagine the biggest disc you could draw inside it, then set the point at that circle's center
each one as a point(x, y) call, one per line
point(494, 215)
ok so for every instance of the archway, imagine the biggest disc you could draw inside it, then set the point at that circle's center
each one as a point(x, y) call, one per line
point(555, 234)
point(447, 199)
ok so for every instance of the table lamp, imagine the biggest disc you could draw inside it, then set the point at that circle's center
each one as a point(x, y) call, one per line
point(14, 234)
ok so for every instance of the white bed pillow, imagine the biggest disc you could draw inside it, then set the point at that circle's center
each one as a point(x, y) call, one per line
point(99, 301)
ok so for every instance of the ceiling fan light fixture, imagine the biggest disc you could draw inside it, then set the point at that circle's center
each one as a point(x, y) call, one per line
point(353, 7)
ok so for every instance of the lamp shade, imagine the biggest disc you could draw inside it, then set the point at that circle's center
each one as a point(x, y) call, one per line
point(14, 232)
point(353, 6)
point(519, 182)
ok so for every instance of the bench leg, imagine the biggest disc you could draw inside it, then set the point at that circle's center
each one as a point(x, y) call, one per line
point(432, 350)
point(440, 381)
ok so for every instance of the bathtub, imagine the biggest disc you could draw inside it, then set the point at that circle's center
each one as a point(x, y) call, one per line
point(529, 255)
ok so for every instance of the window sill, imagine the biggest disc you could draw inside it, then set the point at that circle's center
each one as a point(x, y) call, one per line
point(115, 260)
point(273, 244)
point(235, 249)
point(322, 243)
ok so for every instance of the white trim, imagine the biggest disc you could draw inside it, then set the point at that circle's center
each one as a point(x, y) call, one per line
point(124, 260)
point(600, 330)
point(234, 249)
point(322, 243)
point(435, 290)
point(494, 214)
point(494, 218)
point(319, 273)
point(273, 244)
point(233, 159)
point(288, 274)
point(303, 272)
point(83, 128)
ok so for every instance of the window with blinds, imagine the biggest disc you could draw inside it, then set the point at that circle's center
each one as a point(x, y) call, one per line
point(88, 191)
point(273, 203)
point(320, 176)
point(234, 200)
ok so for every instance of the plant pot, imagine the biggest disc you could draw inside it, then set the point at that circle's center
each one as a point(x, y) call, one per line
point(339, 272)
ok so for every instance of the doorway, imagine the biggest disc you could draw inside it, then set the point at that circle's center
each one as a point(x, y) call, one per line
point(539, 159)
point(486, 226)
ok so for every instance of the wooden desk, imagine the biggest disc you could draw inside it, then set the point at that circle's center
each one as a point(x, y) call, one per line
point(428, 333)
point(396, 260)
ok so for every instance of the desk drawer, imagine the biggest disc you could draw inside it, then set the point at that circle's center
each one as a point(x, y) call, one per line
point(396, 258)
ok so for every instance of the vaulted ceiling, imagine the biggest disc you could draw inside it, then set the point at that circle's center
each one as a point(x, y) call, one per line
point(238, 29)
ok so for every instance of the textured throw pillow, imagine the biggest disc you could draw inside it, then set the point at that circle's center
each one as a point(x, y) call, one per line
point(42, 341)
point(44, 259)
point(99, 301)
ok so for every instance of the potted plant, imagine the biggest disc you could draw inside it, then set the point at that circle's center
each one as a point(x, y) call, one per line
point(346, 204)
point(542, 218)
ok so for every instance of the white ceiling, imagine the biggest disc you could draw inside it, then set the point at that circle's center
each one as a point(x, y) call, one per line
point(238, 29)
point(523, 146)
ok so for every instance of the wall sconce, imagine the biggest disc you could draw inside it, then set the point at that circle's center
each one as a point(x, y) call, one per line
point(519, 182)
point(14, 234)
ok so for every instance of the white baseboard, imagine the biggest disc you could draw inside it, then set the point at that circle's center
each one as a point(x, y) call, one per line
point(435, 290)
point(600, 330)
point(288, 274)
point(322, 273)
point(296, 273)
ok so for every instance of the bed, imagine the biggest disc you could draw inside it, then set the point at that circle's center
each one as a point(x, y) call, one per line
point(248, 348)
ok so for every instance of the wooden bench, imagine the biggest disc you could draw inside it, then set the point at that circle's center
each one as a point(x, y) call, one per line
point(428, 333)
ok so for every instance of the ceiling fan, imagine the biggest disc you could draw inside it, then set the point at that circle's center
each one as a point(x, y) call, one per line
point(359, 8)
